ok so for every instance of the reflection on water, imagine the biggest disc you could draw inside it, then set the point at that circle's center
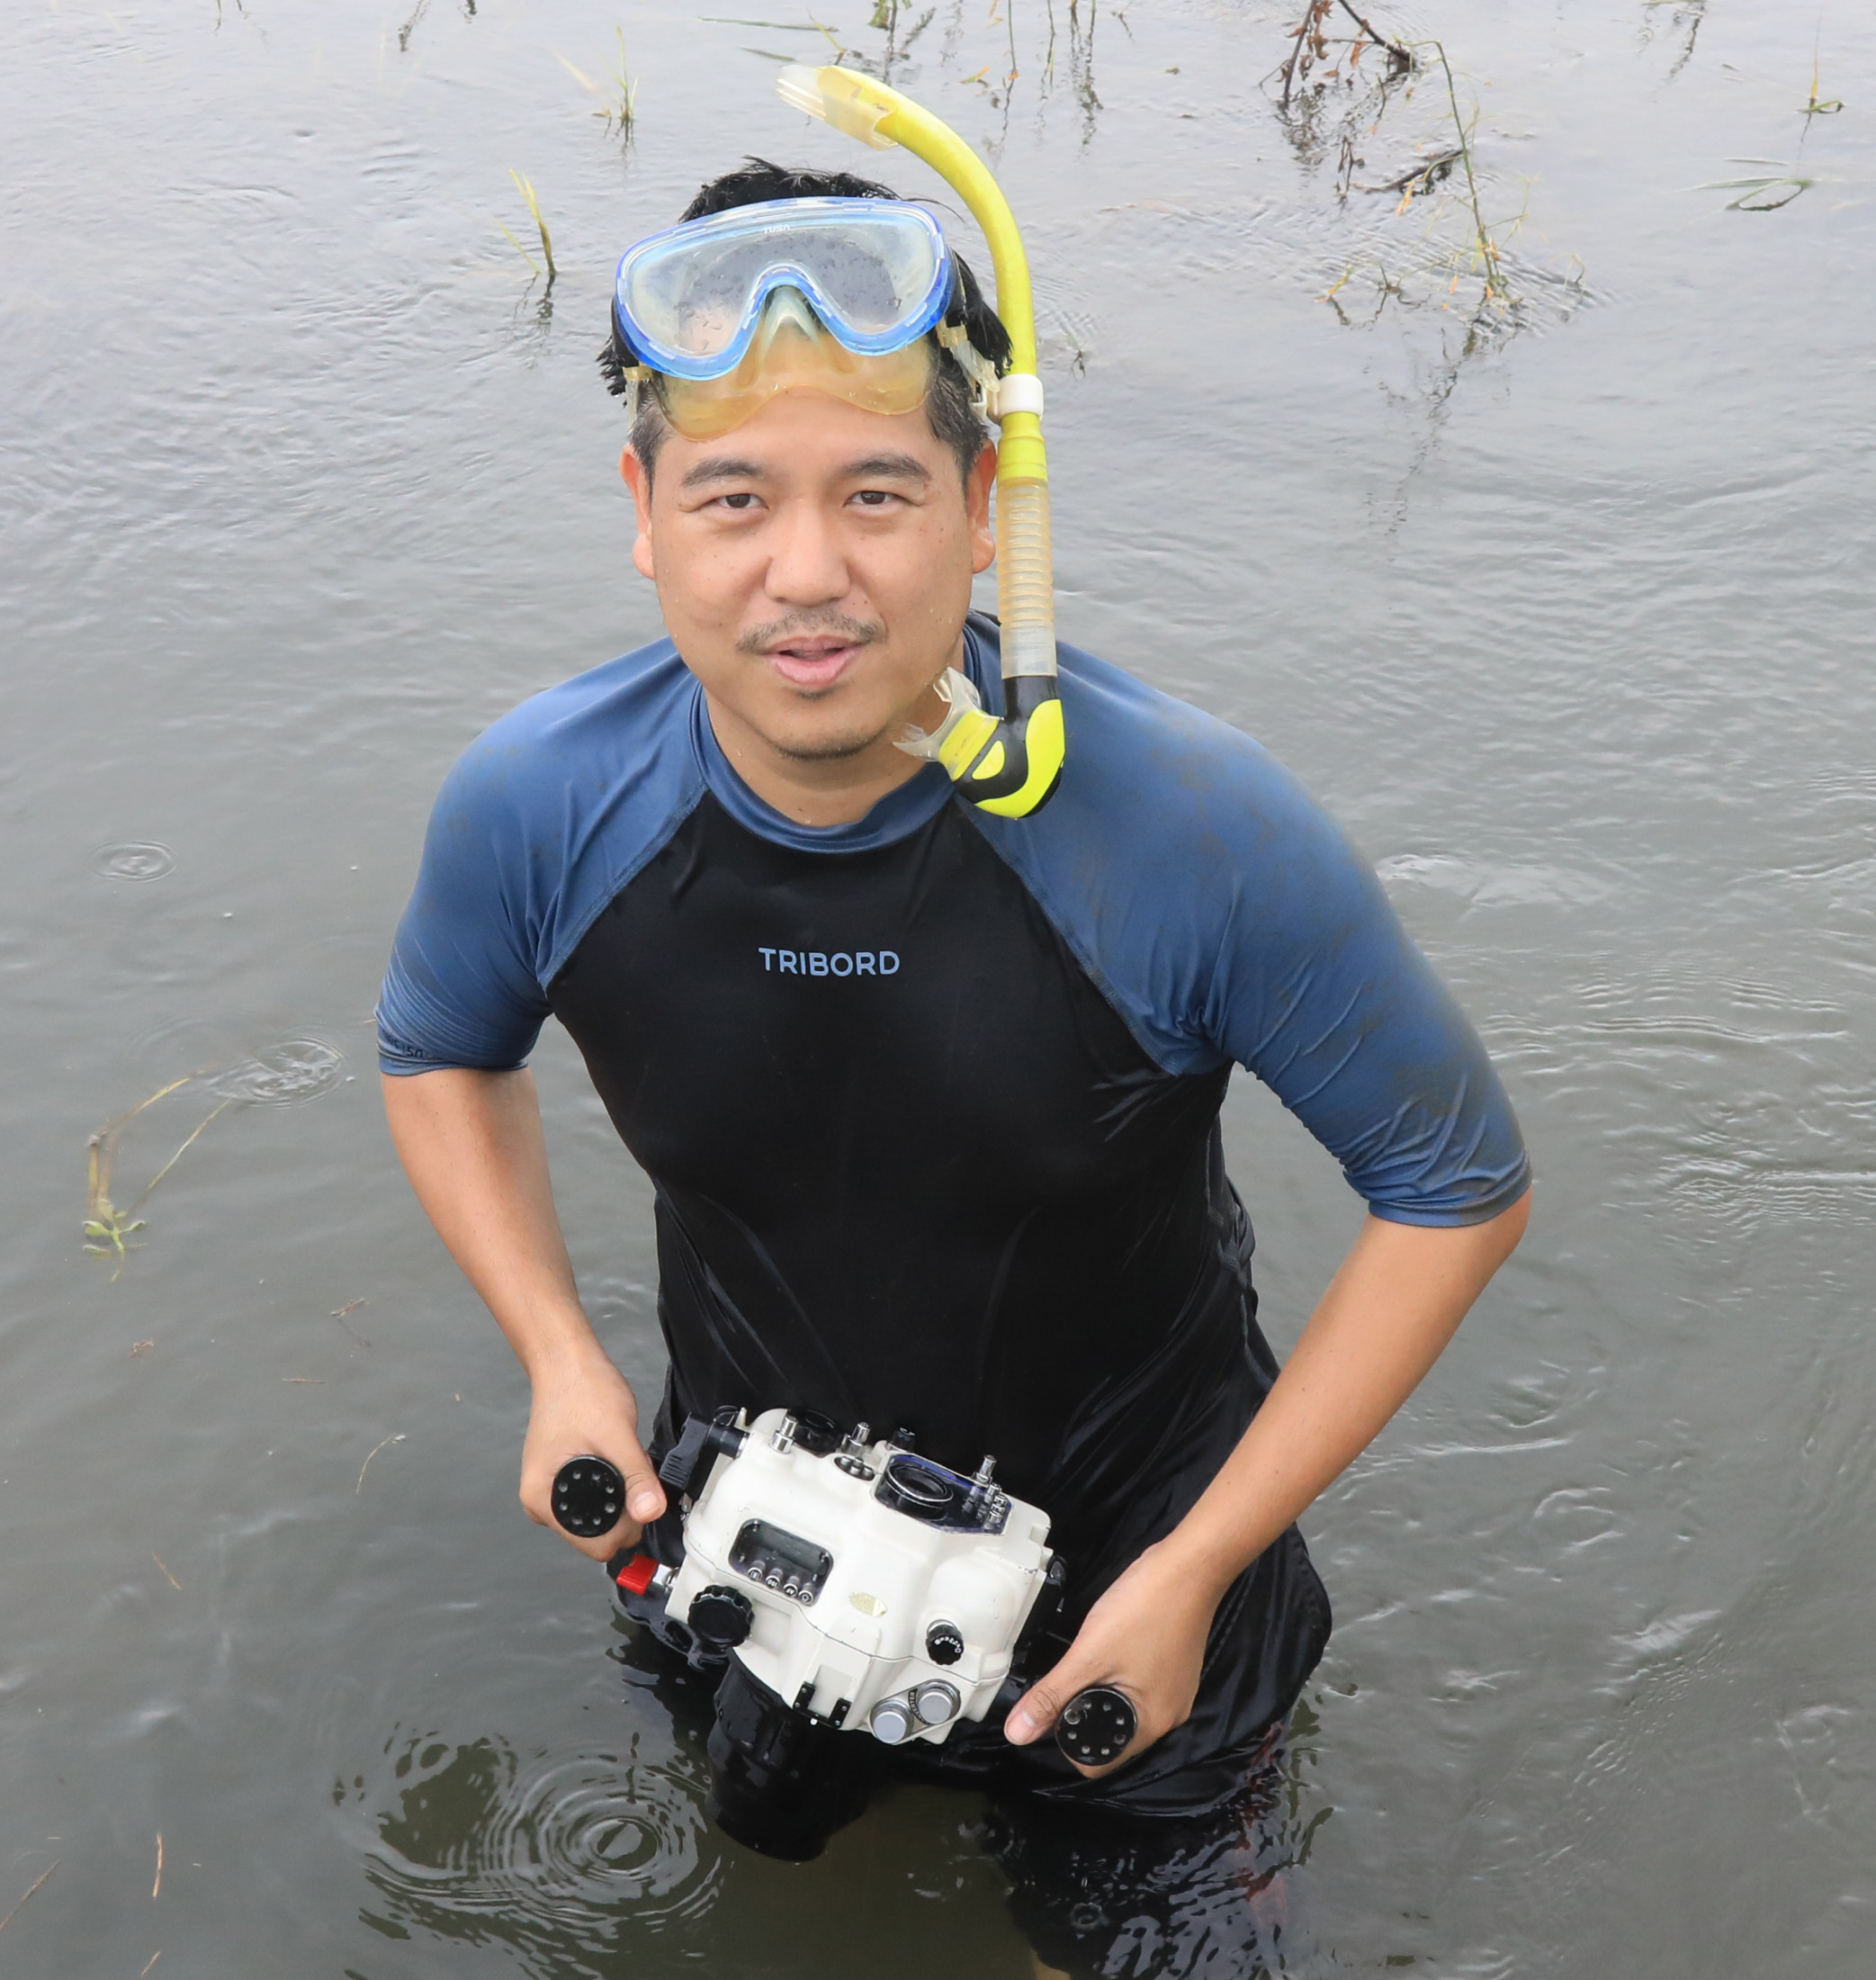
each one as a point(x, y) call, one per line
point(564, 1858)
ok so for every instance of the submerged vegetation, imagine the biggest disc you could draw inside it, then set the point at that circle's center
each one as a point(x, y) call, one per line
point(1333, 92)
point(291, 1070)
point(108, 1230)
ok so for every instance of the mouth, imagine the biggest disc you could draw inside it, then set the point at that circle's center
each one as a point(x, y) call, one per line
point(813, 659)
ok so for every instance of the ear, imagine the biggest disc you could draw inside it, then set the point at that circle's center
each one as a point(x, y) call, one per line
point(631, 472)
point(977, 502)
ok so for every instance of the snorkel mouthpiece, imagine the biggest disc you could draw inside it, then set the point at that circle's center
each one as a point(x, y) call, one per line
point(1008, 766)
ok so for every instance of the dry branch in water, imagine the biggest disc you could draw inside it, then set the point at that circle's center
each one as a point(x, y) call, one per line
point(21, 1906)
point(1312, 44)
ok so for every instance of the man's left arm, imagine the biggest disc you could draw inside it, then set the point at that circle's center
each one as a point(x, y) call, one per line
point(1400, 1294)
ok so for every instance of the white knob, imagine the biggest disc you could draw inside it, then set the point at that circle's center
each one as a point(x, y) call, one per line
point(891, 1721)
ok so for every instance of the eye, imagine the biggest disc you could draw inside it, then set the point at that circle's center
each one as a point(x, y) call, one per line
point(743, 499)
point(874, 498)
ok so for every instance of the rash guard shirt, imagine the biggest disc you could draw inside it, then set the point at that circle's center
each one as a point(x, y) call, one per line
point(930, 1101)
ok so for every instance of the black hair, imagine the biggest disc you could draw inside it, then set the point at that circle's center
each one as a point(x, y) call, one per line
point(949, 406)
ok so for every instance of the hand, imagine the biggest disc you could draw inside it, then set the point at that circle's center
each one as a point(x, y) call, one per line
point(1147, 1638)
point(581, 1409)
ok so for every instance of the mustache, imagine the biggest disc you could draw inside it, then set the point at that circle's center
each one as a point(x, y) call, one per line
point(759, 639)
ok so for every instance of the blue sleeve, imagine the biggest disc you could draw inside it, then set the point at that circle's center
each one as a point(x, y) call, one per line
point(542, 821)
point(1227, 918)
point(460, 990)
point(1317, 989)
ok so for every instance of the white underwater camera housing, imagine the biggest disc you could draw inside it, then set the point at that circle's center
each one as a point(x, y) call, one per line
point(843, 1585)
point(859, 1582)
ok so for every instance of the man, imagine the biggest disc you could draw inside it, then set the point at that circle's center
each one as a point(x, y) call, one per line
point(929, 1096)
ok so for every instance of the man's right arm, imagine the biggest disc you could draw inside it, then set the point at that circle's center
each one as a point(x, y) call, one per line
point(470, 1142)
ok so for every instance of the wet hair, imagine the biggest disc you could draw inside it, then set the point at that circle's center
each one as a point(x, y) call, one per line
point(948, 406)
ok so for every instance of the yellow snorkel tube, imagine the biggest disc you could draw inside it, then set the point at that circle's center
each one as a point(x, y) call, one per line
point(1008, 766)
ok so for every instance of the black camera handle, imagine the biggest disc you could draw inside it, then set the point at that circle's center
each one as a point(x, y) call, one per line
point(588, 1496)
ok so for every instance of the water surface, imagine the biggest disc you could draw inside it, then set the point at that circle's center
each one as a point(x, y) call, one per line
point(1561, 607)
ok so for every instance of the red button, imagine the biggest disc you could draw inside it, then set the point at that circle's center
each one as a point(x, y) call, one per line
point(636, 1574)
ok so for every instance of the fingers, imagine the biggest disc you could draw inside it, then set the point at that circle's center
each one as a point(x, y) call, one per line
point(589, 1415)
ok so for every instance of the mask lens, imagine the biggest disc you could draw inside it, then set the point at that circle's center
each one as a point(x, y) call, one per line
point(876, 274)
point(705, 409)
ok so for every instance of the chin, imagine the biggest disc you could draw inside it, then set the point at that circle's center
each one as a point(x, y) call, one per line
point(831, 746)
point(832, 741)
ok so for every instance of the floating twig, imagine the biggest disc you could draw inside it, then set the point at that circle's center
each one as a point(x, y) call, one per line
point(151, 1962)
point(366, 1466)
point(21, 1906)
point(177, 1586)
point(157, 1886)
point(341, 1314)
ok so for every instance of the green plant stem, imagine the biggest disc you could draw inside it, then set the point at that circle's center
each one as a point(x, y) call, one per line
point(1487, 250)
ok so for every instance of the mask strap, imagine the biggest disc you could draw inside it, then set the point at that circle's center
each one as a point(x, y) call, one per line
point(976, 367)
point(636, 376)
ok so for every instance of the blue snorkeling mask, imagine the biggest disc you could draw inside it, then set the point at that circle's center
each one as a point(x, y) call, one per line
point(689, 302)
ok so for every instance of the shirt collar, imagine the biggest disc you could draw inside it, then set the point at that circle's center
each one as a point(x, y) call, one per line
point(898, 815)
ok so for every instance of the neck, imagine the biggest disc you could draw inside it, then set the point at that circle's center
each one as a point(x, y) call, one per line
point(823, 790)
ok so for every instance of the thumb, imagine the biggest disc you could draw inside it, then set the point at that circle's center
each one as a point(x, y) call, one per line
point(1041, 1705)
point(644, 1496)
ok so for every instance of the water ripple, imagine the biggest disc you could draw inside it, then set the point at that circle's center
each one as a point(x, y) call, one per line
point(135, 859)
point(557, 1857)
point(297, 1068)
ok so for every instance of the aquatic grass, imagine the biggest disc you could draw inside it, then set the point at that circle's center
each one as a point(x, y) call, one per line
point(1817, 106)
point(108, 1230)
point(618, 105)
point(533, 207)
point(1317, 58)
point(1762, 194)
point(1484, 248)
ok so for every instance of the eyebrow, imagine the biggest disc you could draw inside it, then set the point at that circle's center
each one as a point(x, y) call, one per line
point(723, 467)
point(906, 467)
point(730, 467)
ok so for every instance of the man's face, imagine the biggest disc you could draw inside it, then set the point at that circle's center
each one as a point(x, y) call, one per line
point(814, 567)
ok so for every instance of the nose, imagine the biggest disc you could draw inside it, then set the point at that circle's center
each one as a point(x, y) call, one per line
point(807, 564)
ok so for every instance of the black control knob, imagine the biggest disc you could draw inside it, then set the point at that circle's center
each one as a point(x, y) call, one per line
point(1097, 1725)
point(588, 1496)
point(720, 1616)
point(687, 1464)
point(944, 1643)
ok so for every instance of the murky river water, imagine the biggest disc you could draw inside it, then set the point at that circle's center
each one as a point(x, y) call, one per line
point(1562, 608)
